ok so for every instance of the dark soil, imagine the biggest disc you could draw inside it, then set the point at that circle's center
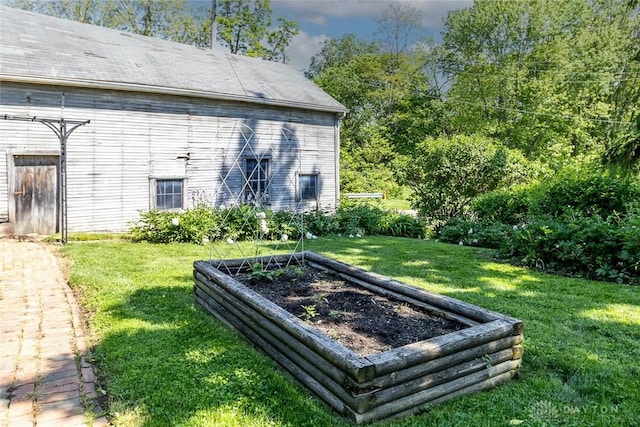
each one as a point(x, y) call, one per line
point(359, 319)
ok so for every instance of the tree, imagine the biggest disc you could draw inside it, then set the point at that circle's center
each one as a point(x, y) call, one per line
point(446, 174)
point(280, 39)
point(77, 10)
point(624, 132)
point(386, 88)
point(399, 27)
point(152, 18)
point(538, 75)
point(625, 150)
point(168, 19)
point(243, 25)
point(338, 53)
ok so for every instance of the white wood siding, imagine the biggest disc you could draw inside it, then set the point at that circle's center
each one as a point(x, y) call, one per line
point(133, 138)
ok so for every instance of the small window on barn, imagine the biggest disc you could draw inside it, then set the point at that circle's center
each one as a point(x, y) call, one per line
point(168, 194)
point(257, 176)
point(308, 187)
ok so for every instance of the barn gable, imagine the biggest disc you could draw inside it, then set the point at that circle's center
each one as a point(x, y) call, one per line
point(164, 118)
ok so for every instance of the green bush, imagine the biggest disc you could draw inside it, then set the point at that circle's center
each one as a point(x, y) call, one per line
point(508, 206)
point(366, 218)
point(393, 223)
point(574, 190)
point(475, 233)
point(575, 245)
point(586, 191)
point(238, 223)
point(320, 223)
point(284, 223)
point(192, 225)
point(583, 246)
point(354, 217)
point(446, 174)
point(246, 222)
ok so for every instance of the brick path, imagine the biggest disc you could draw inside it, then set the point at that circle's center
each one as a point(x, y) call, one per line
point(45, 378)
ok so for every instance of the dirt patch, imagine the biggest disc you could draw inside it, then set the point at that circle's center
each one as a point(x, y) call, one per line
point(361, 320)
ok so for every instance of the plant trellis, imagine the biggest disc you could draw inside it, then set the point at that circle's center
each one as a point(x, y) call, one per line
point(236, 185)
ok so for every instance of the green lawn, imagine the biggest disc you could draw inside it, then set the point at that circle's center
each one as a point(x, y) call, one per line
point(166, 362)
point(397, 204)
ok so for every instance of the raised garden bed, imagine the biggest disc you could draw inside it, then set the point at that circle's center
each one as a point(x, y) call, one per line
point(483, 349)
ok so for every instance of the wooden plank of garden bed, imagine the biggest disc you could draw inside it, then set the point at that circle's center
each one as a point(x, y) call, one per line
point(398, 391)
point(387, 380)
point(317, 388)
point(428, 395)
point(274, 329)
point(397, 377)
point(357, 366)
point(400, 376)
point(248, 327)
point(419, 352)
point(470, 311)
point(477, 387)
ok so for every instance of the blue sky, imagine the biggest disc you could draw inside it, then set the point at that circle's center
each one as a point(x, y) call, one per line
point(322, 19)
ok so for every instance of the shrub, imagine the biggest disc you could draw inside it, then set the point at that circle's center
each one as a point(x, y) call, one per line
point(166, 227)
point(475, 233)
point(355, 217)
point(576, 245)
point(246, 222)
point(508, 206)
point(284, 222)
point(446, 174)
point(199, 223)
point(585, 246)
point(366, 218)
point(586, 191)
point(238, 222)
point(155, 227)
point(393, 223)
point(320, 223)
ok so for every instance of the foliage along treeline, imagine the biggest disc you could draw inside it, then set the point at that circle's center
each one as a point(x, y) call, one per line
point(244, 27)
point(557, 81)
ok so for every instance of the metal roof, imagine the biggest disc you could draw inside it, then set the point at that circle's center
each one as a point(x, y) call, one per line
point(37, 48)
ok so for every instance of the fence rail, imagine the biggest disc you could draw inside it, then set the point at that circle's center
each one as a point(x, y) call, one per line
point(364, 195)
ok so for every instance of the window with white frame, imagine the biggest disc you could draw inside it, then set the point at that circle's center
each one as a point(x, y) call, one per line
point(308, 187)
point(167, 194)
point(257, 176)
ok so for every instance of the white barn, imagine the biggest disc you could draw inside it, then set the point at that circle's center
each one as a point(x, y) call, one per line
point(160, 125)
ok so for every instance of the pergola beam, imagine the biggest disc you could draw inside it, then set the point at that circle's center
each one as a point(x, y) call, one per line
point(62, 128)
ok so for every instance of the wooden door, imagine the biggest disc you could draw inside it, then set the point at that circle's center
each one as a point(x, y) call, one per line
point(35, 194)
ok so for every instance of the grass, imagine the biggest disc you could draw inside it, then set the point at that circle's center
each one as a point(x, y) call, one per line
point(84, 237)
point(396, 204)
point(166, 362)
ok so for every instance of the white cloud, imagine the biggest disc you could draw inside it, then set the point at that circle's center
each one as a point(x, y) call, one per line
point(332, 14)
point(302, 49)
point(320, 12)
point(320, 20)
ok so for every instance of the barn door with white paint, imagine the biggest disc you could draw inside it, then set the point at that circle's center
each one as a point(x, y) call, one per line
point(35, 194)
